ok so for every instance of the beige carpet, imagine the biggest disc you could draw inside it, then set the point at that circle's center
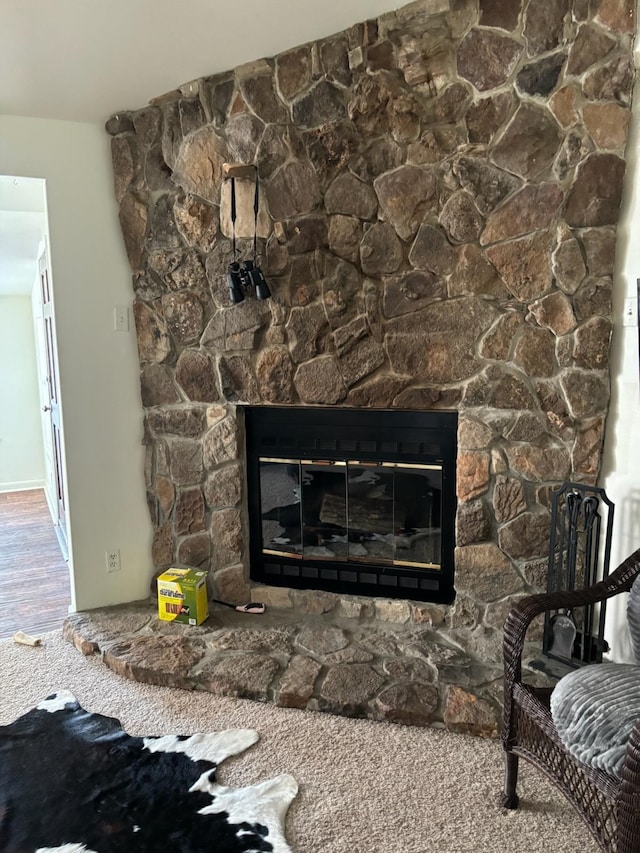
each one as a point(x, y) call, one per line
point(365, 787)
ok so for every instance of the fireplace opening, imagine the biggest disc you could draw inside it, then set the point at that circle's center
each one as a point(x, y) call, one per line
point(360, 502)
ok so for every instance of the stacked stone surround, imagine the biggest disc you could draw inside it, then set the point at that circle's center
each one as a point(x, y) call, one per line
point(440, 194)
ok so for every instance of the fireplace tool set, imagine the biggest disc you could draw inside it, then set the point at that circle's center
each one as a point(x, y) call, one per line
point(574, 638)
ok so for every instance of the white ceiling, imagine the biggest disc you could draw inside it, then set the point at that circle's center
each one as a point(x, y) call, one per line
point(83, 60)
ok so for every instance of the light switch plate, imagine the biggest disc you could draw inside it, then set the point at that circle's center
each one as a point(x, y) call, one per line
point(121, 318)
point(630, 316)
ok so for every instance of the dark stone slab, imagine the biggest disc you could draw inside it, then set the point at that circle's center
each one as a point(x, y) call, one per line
point(487, 185)
point(297, 682)
point(349, 687)
point(274, 372)
point(500, 13)
point(293, 71)
point(410, 704)
point(323, 104)
point(530, 142)
point(157, 387)
point(591, 45)
point(195, 373)
point(460, 218)
point(237, 379)
point(487, 58)
point(380, 250)
point(292, 191)
point(350, 196)
point(485, 117)
point(406, 195)
point(432, 251)
point(594, 199)
point(411, 292)
point(154, 343)
point(540, 78)
point(189, 512)
point(545, 25)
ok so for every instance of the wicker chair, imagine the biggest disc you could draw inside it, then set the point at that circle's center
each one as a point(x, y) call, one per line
point(609, 806)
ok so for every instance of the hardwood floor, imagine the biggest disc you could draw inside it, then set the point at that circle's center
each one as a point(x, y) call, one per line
point(34, 577)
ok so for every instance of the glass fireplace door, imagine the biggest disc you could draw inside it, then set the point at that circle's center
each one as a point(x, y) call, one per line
point(383, 513)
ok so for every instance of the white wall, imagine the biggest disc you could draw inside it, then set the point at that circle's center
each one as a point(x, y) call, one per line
point(21, 452)
point(102, 413)
point(621, 465)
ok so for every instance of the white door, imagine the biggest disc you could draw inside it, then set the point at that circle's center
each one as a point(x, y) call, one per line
point(50, 400)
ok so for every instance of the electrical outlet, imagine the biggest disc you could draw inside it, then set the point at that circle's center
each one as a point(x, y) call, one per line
point(112, 559)
point(121, 318)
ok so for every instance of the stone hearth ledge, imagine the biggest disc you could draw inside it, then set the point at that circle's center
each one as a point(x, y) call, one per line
point(354, 667)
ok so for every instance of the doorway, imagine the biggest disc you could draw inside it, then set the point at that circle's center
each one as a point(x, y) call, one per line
point(34, 571)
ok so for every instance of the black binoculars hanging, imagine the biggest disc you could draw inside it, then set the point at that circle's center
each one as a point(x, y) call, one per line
point(245, 276)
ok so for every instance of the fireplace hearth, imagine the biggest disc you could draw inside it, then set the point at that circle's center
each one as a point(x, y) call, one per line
point(358, 502)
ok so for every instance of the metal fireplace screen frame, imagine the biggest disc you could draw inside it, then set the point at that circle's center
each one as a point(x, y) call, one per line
point(398, 441)
point(579, 555)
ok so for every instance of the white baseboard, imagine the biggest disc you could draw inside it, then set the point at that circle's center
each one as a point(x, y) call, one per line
point(22, 486)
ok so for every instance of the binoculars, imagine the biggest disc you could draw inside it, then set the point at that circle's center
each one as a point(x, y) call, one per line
point(241, 276)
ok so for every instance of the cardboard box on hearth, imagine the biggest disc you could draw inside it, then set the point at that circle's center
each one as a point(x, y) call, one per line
point(182, 596)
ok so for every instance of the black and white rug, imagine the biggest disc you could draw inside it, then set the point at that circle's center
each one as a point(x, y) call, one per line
point(74, 782)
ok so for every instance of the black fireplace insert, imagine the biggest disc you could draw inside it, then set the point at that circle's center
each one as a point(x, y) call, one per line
point(353, 501)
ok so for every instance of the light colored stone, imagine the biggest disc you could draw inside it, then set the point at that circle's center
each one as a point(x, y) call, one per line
point(230, 585)
point(165, 661)
point(314, 601)
point(321, 640)
point(473, 435)
point(484, 572)
point(245, 676)
point(472, 474)
point(554, 312)
point(277, 597)
point(389, 610)
point(226, 537)
point(539, 463)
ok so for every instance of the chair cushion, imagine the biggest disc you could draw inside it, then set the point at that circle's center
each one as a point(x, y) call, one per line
point(633, 618)
point(594, 710)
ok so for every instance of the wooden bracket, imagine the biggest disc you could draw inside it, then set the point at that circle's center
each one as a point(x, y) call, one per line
point(240, 171)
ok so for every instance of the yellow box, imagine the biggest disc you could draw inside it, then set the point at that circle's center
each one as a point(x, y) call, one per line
point(182, 596)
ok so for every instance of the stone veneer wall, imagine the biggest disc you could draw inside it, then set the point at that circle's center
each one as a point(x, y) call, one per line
point(440, 197)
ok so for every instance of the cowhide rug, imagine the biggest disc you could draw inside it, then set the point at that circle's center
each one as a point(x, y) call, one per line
point(72, 781)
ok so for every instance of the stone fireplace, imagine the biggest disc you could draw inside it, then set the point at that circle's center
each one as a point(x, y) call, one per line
point(439, 199)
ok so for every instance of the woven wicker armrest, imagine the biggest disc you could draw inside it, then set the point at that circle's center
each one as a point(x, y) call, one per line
point(525, 610)
point(630, 771)
point(628, 796)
